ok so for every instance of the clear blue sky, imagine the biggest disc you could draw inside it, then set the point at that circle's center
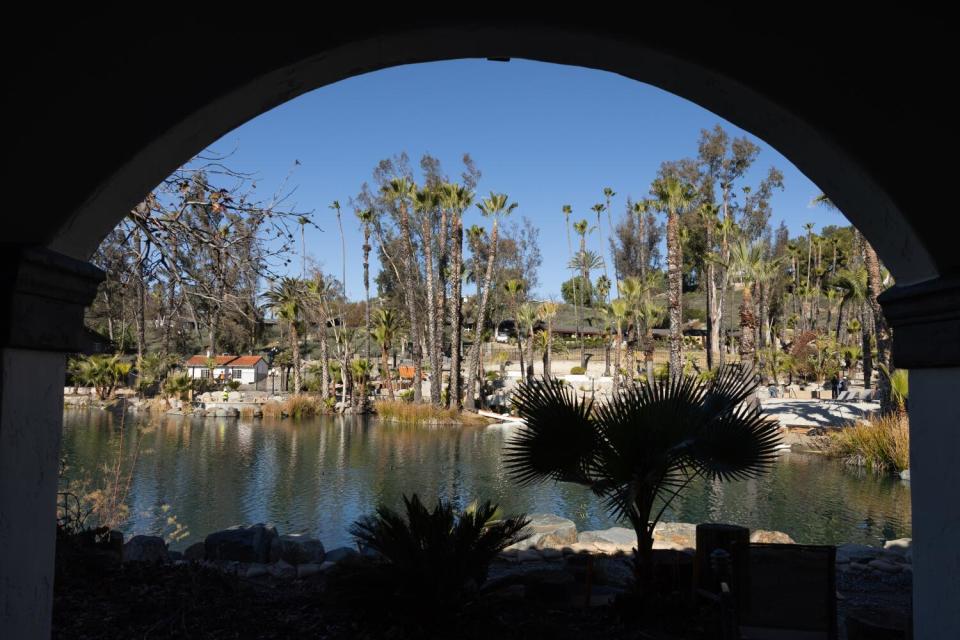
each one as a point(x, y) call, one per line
point(545, 134)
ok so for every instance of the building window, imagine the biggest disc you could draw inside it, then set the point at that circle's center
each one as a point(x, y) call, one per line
point(205, 373)
point(237, 374)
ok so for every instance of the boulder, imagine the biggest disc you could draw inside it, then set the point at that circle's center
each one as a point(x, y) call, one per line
point(243, 544)
point(146, 549)
point(770, 537)
point(528, 555)
point(610, 540)
point(900, 546)
point(852, 552)
point(551, 553)
point(256, 570)
point(195, 552)
point(615, 572)
point(283, 570)
point(884, 566)
point(549, 585)
point(235, 396)
point(308, 569)
point(547, 530)
point(675, 535)
point(297, 549)
point(341, 553)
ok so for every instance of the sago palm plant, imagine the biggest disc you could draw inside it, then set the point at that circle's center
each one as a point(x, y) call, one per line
point(638, 451)
point(435, 558)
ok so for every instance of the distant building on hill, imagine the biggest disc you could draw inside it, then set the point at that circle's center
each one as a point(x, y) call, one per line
point(249, 370)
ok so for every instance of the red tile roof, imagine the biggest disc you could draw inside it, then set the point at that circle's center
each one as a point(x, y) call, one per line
point(233, 361)
point(201, 361)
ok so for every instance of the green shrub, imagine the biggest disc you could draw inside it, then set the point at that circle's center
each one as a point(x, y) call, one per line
point(577, 371)
point(407, 395)
point(492, 375)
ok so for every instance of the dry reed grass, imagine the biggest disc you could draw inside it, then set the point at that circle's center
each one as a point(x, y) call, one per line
point(882, 443)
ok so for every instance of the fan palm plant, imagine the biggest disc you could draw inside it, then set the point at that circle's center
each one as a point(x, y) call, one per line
point(639, 450)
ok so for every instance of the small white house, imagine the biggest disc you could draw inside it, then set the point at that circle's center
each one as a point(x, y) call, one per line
point(249, 370)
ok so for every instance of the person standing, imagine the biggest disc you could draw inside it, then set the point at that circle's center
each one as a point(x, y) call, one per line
point(834, 385)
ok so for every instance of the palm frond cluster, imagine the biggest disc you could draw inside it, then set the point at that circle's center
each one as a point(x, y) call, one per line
point(429, 558)
point(640, 449)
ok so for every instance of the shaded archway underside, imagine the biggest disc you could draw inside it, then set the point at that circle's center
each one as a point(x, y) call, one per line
point(131, 105)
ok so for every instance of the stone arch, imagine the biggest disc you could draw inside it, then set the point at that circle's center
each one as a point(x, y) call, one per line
point(85, 96)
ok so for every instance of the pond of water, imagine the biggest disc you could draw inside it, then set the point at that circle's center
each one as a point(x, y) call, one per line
point(318, 476)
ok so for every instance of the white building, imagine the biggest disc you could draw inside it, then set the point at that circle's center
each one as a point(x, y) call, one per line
point(249, 370)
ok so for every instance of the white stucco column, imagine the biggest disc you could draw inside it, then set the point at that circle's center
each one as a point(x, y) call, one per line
point(935, 491)
point(31, 419)
point(925, 318)
point(42, 302)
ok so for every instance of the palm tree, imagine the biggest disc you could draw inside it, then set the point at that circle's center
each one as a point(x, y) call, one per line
point(598, 209)
point(618, 308)
point(401, 192)
point(103, 373)
point(651, 315)
point(873, 290)
point(547, 311)
point(495, 206)
point(527, 317)
point(366, 222)
point(320, 290)
point(581, 228)
point(457, 199)
point(748, 259)
point(514, 289)
point(385, 332)
point(286, 299)
point(633, 293)
point(643, 447)
point(608, 194)
point(425, 202)
point(603, 292)
point(708, 213)
point(567, 211)
point(674, 197)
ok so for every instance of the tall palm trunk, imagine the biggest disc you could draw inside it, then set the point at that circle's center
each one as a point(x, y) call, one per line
point(675, 293)
point(616, 356)
point(528, 372)
point(295, 349)
point(474, 359)
point(516, 327)
point(366, 287)
point(433, 344)
point(456, 315)
point(547, 361)
point(748, 325)
point(385, 369)
point(410, 297)
point(586, 279)
point(874, 289)
point(649, 345)
point(867, 351)
point(713, 307)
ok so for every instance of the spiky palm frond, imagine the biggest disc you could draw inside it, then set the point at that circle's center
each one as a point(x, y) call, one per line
point(558, 441)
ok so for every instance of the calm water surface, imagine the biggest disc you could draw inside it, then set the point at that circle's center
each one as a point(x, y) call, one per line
point(319, 476)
